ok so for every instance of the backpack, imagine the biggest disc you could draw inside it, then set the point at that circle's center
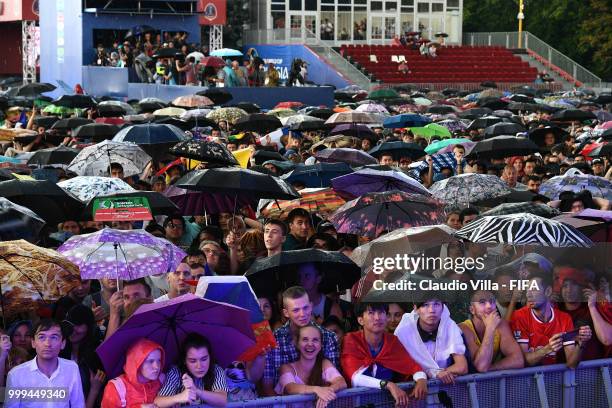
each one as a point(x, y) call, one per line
point(121, 390)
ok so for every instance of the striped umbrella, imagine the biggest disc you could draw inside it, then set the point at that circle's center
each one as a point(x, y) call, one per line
point(523, 229)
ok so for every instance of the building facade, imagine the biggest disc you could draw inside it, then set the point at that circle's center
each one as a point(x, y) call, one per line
point(337, 22)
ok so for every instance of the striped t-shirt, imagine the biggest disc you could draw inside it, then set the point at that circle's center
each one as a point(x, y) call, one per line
point(173, 384)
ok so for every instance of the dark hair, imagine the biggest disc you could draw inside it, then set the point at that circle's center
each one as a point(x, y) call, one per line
point(545, 278)
point(115, 166)
point(363, 307)
point(330, 241)
point(540, 197)
point(533, 177)
point(406, 307)
point(139, 281)
point(76, 316)
point(151, 228)
point(316, 374)
point(212, 230)
point(332, 319)
point(274, 221)
point(297, 212)
point(195, 340)
point(193, 252)
point(273, 305)
point(468, 211)
point(171, 218)
point(294, 292)
point(46, 324)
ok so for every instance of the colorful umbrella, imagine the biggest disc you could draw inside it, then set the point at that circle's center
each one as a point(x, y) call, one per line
point(373, 213)
point(227, 327)
point(231, 115)
point(367, 180)
point(372, 108)
point(469, 188)
point(31, 275)
point(191, 202)
point(453, 125)
point(121, 254)
point(320, 200)
point(96, 160)
point(598, 186)
point(192, 101)
point(435, 147)
point(87, 187)
point(210, 152)
point(353, 117)
point(523, 229)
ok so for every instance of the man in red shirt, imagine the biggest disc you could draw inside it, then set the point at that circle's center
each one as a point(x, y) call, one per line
point(542, 331)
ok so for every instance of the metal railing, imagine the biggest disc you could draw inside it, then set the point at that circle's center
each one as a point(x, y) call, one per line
point(554, 386)
point(548, 55)
point(308, 38)
point(466, 86)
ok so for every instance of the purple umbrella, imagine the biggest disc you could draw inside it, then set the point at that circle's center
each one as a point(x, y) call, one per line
point(352, 157)
point(359, 131)
point(227, 327)
point(603, 116)
point(118, 254)
point(192, 202)
point(376, 181)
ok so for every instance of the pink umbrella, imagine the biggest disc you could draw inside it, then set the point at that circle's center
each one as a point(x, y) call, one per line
point(227, 327)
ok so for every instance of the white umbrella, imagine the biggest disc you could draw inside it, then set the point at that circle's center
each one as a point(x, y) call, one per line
point(95, 160)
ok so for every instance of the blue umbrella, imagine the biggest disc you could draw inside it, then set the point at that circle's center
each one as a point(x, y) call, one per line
point(406, 120)
point(226, 52)
point(317, 175)
point(598, 186)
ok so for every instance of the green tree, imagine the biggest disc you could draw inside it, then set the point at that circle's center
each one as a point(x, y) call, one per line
point(596, 37)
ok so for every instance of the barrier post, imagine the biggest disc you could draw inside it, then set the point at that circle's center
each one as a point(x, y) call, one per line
point(473, 394)
point(605, 374)
point(539, 377)
point(502, 392)
point(569, 388)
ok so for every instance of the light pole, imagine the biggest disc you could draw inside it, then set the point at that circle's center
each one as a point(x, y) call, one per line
point(521, 17)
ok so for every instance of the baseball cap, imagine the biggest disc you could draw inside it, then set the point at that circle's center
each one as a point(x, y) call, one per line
point(597, 161)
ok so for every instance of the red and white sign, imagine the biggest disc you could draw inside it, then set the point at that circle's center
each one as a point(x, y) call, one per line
point(212, 12)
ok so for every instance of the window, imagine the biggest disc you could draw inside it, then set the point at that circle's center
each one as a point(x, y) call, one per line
point(360, 27)
point(376, 6)
point(310, 5)
point(423, 8)
point(327, 24)
point(437, 7)
point(452, 3)
point(295, 4)
point(391, 6)
point(278, 19)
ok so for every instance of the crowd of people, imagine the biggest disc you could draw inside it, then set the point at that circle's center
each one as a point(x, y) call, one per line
point(325, 341)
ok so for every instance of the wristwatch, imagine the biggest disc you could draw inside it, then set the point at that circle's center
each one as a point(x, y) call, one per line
point(383, 385)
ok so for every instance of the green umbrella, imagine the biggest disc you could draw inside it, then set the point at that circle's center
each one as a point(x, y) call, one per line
point(441, 144)
point(386, 93)
point(59, 110)
point(41, 103)
point(431, 130)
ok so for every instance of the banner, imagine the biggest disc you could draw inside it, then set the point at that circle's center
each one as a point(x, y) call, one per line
point(213, 12)
point(122, 209)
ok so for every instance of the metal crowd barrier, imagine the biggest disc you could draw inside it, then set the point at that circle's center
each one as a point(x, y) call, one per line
point(553, 386)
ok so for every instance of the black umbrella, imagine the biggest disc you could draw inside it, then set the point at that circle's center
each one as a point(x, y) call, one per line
point(521, 98)
point(167, 53)
point(261, 156)
point(492, 103)
point(70, 123)
point(271, 275)
point(441, 109)
point(76, 101)
point(18, 222)
point(475, 113)
point(218, 96)
point(573, 115)
point(500, 147)
point(248, 107)
point(525, 90)
point(398, 150)
point(321, 113)
point(486, 121)
point(258, 122)
point(96, 131)
point(7, 174)
point(355, 130)
point(43, 197)
point(35, 88)
point(488, 84)
point(523, 107)
point(210, 152)
point(317, 175)
point(45, 121)
point(607, 134)
point(111, 111)
point(499, 129)
point(151, 104)
point(538, 134)
point(237, 181)
point(450, 91)
point(159, 203)
point(54, 155)
point(515, 196)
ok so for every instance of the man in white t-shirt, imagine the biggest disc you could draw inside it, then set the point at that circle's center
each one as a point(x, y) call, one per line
point(47, 380)
point(177, 282)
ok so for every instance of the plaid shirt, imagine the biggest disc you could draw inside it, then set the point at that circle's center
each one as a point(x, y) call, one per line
point(287, 353)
